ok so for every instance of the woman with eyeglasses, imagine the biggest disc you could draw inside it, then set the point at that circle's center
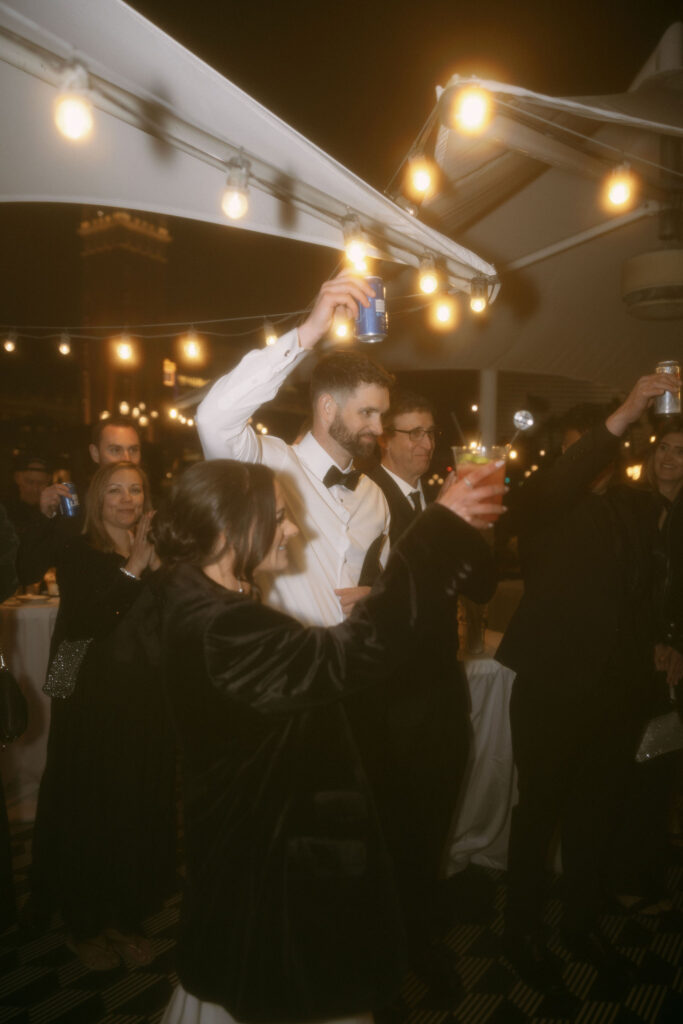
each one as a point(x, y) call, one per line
point(290, 911)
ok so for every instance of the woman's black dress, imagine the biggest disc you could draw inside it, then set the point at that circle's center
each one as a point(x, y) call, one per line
point(104, 842)
point(291, 910)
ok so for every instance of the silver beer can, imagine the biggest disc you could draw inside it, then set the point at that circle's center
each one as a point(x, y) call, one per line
point(668, 404)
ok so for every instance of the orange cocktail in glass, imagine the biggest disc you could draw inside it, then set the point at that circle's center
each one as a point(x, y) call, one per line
point(469, 458)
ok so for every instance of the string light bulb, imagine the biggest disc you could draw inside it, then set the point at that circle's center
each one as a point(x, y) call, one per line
point(479, 298)
point(428, 278)
point(124, 408)
point(10, 342)
point(105, 414)
point(269, 332)
point(420, 178)
point(124, 350)
point(235, 201)
point(73, 109)
point(173, 413)
point(192, 348)
point(64, 347)
point(472, 110)
point(143, 421)
point(355, 243)
point(620, 187)
point(341, 326)
point(443, 312)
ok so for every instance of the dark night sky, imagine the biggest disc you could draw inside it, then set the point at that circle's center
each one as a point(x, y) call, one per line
point(356, 78)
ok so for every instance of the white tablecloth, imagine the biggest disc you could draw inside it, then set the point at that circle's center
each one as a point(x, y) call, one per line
point(482, 822)
point(25, 633)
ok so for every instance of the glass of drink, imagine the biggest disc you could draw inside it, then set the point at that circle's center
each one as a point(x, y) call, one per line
point(467, 458)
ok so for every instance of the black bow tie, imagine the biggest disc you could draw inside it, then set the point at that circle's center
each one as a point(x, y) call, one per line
point(349, 480)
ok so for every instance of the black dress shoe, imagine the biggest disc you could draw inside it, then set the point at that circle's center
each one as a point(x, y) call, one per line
point(533, 961)
point(592, 947)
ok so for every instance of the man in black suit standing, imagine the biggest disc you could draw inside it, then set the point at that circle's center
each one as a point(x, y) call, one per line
point(582, 645)
point(417, 829)
point(407, 446)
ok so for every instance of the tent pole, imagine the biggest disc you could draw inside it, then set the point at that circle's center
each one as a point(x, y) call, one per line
point(488, 402)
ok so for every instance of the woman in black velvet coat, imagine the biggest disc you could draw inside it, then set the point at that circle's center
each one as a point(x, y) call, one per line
point(104, 842)
point(290, 911)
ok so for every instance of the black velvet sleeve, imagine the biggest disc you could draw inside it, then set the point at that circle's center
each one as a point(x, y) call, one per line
point(550, 493)
point(269, 661)
point(94, 592)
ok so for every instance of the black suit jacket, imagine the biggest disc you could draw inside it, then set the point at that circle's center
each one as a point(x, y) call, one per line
point(415, 733)
point(400, 507)
point(587, 562)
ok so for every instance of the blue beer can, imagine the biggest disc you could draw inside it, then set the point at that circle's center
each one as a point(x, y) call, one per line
point(69, 506)
point(372, 323)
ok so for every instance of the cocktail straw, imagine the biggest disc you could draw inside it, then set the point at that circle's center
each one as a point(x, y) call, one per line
point(457, 426)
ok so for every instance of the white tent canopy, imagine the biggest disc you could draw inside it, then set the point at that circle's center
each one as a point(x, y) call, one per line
point(166, 125)
point(527, 195)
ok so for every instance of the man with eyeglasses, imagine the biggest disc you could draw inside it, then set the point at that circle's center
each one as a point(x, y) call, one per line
point(407, 446)
point(411, 766)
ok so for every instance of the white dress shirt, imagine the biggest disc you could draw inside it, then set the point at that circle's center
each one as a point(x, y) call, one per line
point(336, 525)
point(405, 487)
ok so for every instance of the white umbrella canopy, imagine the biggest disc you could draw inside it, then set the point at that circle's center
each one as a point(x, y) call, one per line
point(166, 126)
point(527, 195)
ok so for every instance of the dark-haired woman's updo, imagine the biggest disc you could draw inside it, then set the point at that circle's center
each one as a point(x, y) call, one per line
point(214, 506)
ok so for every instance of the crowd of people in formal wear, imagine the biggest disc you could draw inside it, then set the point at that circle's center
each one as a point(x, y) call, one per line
point(286, 625)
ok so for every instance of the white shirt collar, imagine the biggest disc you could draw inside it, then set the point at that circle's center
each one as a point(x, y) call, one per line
point(312, 453)
point(404, 486)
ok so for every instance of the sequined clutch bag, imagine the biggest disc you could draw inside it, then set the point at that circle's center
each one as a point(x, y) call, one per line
point(664, 732)
point(66, 664)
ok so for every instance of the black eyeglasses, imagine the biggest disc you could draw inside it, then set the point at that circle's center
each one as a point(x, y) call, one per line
point(417, 433)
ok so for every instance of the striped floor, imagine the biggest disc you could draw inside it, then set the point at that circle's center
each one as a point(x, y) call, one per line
point(42, 982)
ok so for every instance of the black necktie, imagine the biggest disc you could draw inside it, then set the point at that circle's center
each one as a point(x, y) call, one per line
point(415, 498)
point(349, 480)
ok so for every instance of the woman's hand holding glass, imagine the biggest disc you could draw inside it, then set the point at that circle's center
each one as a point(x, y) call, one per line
point(472, 498)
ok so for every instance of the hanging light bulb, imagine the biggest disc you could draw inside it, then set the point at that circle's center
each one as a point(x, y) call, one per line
point(10, 342)
point(479, 298)
point(420, 178)
point(64, 347)
point(472, 110)
point(428, 278)
point(443, 312)
point(73, 109)
point(105, 414)
point(124, 350)
point(342, 328)
point(620, 187)
point(191, 347)
point(235, 202)
point(173, 413)
point(143, 421)
point(269, 332)
point(124, 408)
point(355, 243)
